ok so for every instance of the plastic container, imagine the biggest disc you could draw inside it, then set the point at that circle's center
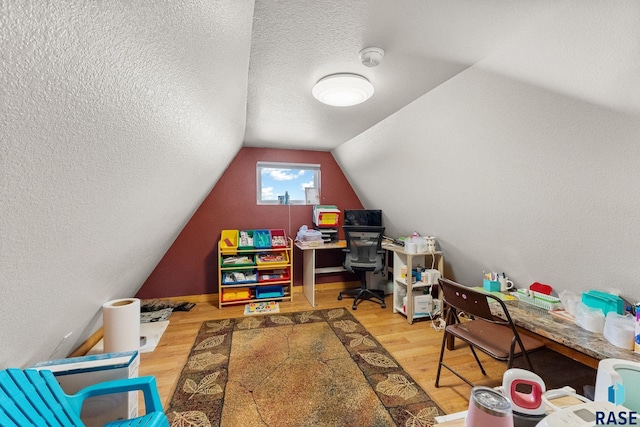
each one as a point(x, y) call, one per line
point(229, 242)
point(237, 260)
point(536, 299)
point(236, 294)
point(245, 240)
point(491, 285)
point(274, 291)
point(328, 219)
point(278, 239)
point(311, 238)
point(262, 239)
point(636, 345)
point(604, 301)
point(272, 259)
point(619, 330)
point(275, 275)
point(239, 277)
point(589, 318)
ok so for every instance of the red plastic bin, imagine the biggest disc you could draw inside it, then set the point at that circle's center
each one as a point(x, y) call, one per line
point(275, 275)
point(278, 239)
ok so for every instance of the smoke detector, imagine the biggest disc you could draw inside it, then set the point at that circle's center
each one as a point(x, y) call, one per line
point(371, 56)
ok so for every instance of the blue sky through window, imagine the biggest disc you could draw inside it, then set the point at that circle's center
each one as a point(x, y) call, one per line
point(276, 180)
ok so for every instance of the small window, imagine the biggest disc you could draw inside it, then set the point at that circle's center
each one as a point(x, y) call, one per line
point(298, 180)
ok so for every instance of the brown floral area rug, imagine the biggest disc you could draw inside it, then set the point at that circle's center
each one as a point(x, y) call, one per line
point(313, 368)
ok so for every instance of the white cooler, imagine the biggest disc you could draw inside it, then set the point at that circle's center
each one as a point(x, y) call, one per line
point(76, 373)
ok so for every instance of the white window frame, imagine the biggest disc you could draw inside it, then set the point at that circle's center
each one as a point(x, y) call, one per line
point(260, 166)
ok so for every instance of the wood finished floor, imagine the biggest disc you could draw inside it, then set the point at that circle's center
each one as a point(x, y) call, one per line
point(416, 347)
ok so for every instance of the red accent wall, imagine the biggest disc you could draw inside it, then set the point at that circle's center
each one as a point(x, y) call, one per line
point(190, 265)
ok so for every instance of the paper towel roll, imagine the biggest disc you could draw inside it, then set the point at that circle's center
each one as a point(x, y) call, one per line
point(121, 325)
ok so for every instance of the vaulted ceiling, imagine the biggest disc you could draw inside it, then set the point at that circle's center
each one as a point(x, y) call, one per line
point(426, 42)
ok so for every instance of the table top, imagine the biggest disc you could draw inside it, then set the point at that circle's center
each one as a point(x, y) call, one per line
point(340, 244)
point(565, 332)
point(389, 246)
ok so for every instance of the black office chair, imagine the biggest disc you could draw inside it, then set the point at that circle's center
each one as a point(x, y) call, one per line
point(363, 253)
point(497, 337)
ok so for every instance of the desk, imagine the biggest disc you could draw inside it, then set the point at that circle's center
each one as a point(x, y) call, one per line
point(540, 322)
point(309, 269)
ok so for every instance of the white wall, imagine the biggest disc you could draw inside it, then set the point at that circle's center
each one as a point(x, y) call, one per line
point(527, 163)
point(111, 137)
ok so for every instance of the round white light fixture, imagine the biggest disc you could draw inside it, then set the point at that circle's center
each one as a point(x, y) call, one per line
point(342, 90)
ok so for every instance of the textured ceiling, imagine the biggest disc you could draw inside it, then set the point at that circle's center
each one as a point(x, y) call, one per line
point(426, 42)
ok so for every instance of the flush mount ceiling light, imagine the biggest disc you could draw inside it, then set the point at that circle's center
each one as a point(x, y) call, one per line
point(343, 90)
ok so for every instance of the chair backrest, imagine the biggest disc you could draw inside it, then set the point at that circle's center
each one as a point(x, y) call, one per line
point(472, 302)
point(619, 371)
point(364, 248)
point(32, 397)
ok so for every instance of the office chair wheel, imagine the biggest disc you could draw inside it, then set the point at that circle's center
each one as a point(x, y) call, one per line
point(339, 297)
point(383, 305)
point(354, 306)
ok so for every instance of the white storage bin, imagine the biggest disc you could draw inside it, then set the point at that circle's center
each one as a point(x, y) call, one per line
point(619, 330)
point(589, 318)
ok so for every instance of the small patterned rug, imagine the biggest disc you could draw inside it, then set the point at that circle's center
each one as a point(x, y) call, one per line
point(313, 368)
point(155, 316)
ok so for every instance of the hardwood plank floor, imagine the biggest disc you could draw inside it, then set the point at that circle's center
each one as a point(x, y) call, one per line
point(416, 347)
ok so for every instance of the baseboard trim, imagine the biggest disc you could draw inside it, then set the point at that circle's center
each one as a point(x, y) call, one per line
point(84, 348)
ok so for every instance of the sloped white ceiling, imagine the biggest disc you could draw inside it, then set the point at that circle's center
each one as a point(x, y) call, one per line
point(117, 120)
point(426, 42)
point(525, 163)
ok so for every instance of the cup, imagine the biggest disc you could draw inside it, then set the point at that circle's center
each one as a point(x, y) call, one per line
point(491, 285)
point(505, 284)
point(487, 407)
point(411, 247)
point(421, 243)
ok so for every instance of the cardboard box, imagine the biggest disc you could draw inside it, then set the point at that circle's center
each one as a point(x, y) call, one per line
point(73, 374)
point(422, 305)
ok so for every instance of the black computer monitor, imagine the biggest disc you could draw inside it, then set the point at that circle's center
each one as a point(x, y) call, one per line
point(366, 217)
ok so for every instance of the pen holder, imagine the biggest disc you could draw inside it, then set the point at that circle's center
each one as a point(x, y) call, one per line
point(491, 285)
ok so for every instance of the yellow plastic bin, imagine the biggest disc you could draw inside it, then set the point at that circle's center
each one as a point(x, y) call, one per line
point(229, 242)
